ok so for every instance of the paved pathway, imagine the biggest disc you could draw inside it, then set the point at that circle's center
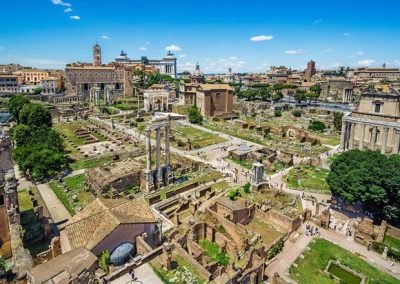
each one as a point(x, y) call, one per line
point(57, 210)
point(292, 250)
point(372, 257)
point(144, 274)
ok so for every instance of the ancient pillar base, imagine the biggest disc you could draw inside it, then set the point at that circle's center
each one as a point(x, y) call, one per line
point(149, 181)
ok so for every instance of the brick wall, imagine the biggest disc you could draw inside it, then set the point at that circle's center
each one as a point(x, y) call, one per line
point(279, 221)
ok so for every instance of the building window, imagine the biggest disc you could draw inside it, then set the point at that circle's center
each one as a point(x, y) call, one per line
point(377, 108)
point(1, 200)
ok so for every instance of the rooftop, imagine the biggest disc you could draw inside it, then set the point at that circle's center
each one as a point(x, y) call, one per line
point(101, 217)
point(63, 268)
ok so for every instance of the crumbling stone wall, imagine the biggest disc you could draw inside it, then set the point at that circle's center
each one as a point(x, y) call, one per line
point(280, 222)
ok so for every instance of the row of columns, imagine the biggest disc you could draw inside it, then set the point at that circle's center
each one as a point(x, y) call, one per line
point(347, 137)
point(159, 170)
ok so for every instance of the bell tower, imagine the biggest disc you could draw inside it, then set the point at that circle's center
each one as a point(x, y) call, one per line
point(97, 55)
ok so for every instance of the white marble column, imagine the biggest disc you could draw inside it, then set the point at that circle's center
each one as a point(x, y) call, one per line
point(362, 135)
point(373, 139)
point(351, 136)
point(148, 150)
point(158, 159)
point(396, 142)
point(167, 152)
point(343, 136)
point(384, 140)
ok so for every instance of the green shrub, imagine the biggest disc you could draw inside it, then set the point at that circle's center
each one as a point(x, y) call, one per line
point(247, 188)
point(105, 260)
point(296, 113)
point(278, 113)
point(316, 126)
point(275, 249)
point(213, 251)
point(233, 194)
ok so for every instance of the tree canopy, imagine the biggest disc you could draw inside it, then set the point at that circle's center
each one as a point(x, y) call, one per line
point(195, 115)
point(39, 150)
point(316, 126)
point(15, 105)
point(369, 177)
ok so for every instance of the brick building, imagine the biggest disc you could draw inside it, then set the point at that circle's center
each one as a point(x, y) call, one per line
point(214, 100)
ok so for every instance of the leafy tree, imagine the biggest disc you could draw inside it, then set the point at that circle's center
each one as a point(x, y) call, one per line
point(195, 116)
point(300, 96)
point(369, 177)
point(278, 113)
point(316, 126)
point(337, 120)
point(266, 132)
point(316, 89)
point(37, 90)
point(277, 97)
point(21, 134)
point(3, 266)
point(233, 194)
point(278, 87)
point(247, 188)
point(312, 96)
point(105, 260)
point(35, 115)
point(15, 104)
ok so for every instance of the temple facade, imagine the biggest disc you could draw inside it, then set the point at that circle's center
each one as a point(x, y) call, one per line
point(374, 124)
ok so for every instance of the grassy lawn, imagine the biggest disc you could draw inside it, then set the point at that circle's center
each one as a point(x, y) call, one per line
point(309, 269)
point(198, 138)
point(213, 251)
point(24, 201)
point(242, 163)
point(308, 178)
point(267, 232)
point(392, 242)
point(62, 196)
point(86, 163)
point(287, 204)
point(68, 130)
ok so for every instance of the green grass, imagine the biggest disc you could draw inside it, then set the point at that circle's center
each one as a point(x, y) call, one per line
point(267, 232)
point(62, 196)
point(24, 201)
point(198, 138)
point(86, 163)
point(213, 251)
point(68, 130)
point(309, 270)
point(76, 182)
point(242, 163)
point(308, 178)
point(392, 242)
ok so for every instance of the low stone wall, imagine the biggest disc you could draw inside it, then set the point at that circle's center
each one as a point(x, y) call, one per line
point(156, 197)
point(231, 228)
point(393, 231)
point(279, 221)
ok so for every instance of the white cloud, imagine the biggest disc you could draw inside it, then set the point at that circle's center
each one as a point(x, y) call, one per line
point(182, 56)
point(366, 62)
point(188, 64)
point(295, 51)
point(233, 58)
point(68, 10)
point(317, 21)
point(147, 42)
point(105, 37)
point(61, 3)
point(328, 50)
point(221, 60)
point(397, 62)
point(261, 38)
point(173, 48)
point(360, 53)
point(208, 59)
point(75, 18)
point(347, 34)
point(241, 62)
point(336, 64)
point(142, 48)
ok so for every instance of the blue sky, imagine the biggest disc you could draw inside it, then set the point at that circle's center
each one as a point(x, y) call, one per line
point(244, 35)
